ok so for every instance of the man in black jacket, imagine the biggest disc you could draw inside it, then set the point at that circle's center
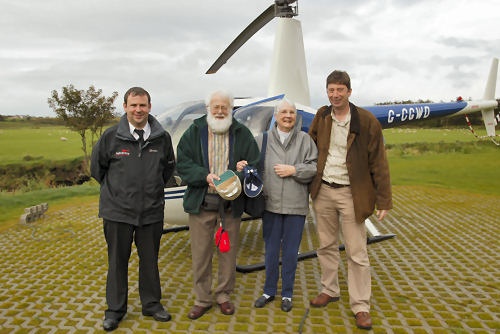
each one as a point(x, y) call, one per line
point(133, 161)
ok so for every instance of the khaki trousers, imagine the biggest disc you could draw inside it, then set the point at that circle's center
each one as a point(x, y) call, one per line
point(202, 228)
point(334, 208)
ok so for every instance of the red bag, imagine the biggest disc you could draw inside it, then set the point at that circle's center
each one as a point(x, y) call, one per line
point(222, 240)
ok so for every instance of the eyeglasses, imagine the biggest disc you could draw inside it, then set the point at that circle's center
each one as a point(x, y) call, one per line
point(219, 107)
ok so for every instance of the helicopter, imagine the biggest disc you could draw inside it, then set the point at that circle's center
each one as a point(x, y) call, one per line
point(289, 78)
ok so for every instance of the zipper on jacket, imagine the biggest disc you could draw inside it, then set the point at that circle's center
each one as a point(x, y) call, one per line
point(203, 154)
point(283, 181)
point(141, 148)
point(143, 183)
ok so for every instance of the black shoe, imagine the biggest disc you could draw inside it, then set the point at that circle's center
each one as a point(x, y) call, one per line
point(161, 315)
point(286, 305)
point(262, 301)
point(110, 324)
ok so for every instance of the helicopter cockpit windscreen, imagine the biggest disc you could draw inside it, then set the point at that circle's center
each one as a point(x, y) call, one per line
point(256, 117)
point(177, 119)
point(259, 118)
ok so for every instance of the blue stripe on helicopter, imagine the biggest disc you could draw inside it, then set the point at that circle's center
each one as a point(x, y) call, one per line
point(173, 197)
point(170, 194)
point(307, 119)
point(397, 114)
point(175, 191)
point(277, 97)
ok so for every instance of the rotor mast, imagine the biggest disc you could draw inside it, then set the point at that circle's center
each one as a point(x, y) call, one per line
point(288, 68)
point(288, 71)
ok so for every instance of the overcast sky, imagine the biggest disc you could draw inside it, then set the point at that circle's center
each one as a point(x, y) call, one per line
point(393, 50)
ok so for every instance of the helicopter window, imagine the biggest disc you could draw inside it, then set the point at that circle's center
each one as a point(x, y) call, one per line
point(177, 119)
point(256, 118)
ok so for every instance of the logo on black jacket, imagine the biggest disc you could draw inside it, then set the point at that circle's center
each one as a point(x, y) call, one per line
point(123, 152)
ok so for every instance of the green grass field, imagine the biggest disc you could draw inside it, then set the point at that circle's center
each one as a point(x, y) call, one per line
point(397, 136)
point(12, 205)
point(21, 139)
point(43, 143)
point(476, 171)
point(445, 158)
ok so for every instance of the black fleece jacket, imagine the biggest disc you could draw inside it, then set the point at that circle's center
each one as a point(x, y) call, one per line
point(132, 178)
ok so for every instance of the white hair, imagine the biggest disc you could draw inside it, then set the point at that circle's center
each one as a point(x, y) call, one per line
point(222, 93)
point(280, 105)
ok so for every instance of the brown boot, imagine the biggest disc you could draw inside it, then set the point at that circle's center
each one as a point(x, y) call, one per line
point(322, 300)
point(363, 320)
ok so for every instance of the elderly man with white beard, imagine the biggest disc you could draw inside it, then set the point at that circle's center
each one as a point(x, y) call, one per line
point(211, 145)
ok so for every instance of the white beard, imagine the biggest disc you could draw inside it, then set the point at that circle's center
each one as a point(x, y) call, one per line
point(219, 125)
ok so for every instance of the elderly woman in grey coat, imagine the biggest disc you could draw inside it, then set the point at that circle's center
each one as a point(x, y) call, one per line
point(289, 166)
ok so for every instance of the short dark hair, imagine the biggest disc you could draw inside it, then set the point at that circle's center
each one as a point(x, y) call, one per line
point(339, 78)
point(136, 91)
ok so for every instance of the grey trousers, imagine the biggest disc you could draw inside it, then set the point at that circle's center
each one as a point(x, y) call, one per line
point(202, 228)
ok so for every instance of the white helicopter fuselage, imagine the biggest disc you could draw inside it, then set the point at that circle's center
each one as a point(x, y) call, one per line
point(289, 78)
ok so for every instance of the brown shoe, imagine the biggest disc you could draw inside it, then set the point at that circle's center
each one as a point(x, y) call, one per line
point(322, 300)
point(227, 308)
point(197, 311)
point(363, 320)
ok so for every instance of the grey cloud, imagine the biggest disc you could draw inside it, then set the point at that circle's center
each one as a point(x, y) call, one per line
point(407, 4)
point(167, 47)
point(454, 61)
point(460, 71)
point(460, 42)
point(487, 46)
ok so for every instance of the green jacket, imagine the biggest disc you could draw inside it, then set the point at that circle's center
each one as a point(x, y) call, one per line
point(192, 161)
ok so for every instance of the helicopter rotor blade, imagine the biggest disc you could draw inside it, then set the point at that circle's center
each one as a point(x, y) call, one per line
point(243, 37)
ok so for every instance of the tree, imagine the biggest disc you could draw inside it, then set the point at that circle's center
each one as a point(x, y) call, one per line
point(101, 111)
point(83, 110)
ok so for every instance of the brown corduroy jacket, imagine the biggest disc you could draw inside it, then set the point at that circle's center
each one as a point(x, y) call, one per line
point(366, 160)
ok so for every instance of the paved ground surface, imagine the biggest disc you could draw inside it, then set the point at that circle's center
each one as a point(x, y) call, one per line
point(441, 274)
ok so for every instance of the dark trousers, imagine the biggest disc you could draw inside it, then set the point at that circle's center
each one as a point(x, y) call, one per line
point(119, 238)
point(281, 232)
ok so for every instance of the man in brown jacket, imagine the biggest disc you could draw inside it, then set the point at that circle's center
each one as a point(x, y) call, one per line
point(352, 177)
